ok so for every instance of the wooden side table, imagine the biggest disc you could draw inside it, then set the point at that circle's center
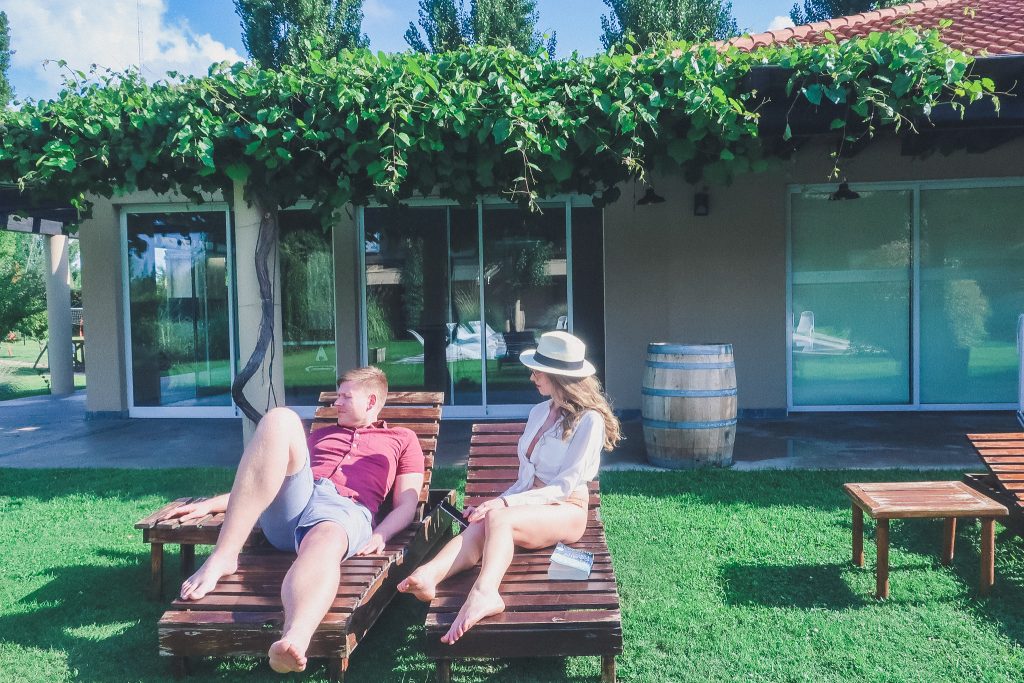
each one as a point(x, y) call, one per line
point(925, 500)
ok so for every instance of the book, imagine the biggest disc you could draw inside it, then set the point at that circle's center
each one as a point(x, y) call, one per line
point(455, 515)
point(570, 564)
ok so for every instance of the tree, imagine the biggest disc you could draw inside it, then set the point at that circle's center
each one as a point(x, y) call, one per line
point(442, 24)
point(279, 32)
point(22, 288)
point(6, 92)
point(446, 25)
point(649, 21)
point(820, 10)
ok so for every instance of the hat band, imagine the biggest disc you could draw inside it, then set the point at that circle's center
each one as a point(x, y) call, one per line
point(560, 364)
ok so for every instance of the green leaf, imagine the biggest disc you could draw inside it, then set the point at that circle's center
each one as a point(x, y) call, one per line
point(813, 93)
point(502, 129)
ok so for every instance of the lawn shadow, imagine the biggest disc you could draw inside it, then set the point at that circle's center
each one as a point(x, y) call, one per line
point(93, 614)
point(801, 586)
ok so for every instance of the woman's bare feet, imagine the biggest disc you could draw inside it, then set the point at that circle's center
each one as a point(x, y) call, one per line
point(204, 580)
point(479, 604)
point(421, 584)
point(285, 657)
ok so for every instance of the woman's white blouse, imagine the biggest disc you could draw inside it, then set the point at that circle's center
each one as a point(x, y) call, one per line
point(563, 466)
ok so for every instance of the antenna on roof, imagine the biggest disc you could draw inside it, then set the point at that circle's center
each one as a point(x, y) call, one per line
point(138, 22)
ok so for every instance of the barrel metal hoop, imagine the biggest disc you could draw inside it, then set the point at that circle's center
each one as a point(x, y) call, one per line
point(689, 366)
point(661, 424)
point(694, 349)
point(688, 393)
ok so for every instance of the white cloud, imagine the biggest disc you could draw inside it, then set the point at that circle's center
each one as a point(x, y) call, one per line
point(107, 33)
point(780, 22)
point(376, 10)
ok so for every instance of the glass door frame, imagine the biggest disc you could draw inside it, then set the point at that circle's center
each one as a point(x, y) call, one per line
point(172, 411)
point(485, 410)
point(915, 187)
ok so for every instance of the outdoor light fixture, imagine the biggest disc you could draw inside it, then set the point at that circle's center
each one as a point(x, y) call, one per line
point(701, 203)
point(843, 192)
point(650, 197)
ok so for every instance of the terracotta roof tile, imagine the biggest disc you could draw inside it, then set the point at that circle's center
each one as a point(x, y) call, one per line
point(994, 27)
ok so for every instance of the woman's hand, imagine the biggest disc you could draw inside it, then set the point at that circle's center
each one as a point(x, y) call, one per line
point(479, 512)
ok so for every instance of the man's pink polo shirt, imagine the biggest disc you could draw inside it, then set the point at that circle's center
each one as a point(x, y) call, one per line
point(363, 462)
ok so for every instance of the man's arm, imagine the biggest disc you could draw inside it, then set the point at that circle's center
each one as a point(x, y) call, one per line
point(406, 497)
point(210, 506)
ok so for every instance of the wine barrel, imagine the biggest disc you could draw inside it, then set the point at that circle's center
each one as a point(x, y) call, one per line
point(689, 405)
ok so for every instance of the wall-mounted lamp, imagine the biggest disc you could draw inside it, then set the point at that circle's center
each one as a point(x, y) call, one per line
point(843, 192)
point(650, 197)
point(701, 203)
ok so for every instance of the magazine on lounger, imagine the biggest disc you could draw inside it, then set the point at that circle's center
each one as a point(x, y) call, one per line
point(570, 564)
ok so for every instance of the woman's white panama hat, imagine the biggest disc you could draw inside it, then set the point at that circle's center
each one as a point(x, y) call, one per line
point(559, 353)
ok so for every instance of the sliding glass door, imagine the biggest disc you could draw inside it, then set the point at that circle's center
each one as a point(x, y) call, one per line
point(851, 299)
point(453, 294)
point(907, 296)
point(178, 299)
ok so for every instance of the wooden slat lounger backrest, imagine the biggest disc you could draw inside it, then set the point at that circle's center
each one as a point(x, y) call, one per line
point(419, 411)
point(1003, 454)
point(494, 464)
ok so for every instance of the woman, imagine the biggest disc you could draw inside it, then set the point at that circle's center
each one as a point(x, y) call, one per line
point(559, 453)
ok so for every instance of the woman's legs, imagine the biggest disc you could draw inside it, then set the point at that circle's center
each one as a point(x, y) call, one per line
point(459, 554)
point(528, 526)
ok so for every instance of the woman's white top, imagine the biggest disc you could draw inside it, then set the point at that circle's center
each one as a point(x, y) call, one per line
point(563, 466)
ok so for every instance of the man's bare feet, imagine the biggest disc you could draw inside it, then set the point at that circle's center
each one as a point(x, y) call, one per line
point(479, 604)
point(422, 585)
point(204, 580)
point(285, 656)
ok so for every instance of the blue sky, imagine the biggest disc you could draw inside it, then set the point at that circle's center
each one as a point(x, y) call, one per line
point(188, 35)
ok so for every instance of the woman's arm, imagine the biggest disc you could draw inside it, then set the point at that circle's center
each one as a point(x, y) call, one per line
point(581, 457)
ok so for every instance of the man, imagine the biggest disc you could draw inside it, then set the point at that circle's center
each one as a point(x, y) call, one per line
point(316, 497)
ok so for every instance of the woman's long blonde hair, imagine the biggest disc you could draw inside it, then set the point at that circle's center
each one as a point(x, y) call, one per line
point(577, 395)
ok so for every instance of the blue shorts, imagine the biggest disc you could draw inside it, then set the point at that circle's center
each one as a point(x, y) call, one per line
point(302, 503)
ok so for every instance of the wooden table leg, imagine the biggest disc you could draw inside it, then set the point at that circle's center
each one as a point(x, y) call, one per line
point(444, 671)
point(607, 668)
point(156, 570)
point(949, 541)
point(188, 559)
point(858, 536)
point(988, 555)
point(882, 572)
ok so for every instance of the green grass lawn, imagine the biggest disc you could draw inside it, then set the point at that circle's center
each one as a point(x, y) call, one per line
point(17, 377)
point(723, 576)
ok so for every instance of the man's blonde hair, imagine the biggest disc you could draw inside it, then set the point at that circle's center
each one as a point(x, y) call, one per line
point(370, 378)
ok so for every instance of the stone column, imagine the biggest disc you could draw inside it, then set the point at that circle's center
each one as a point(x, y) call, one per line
point(58, 315)
point(266, 389)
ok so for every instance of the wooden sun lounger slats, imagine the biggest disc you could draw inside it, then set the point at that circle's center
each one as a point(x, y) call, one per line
point(1003, 455)
point(243, 614)
point(542, 618)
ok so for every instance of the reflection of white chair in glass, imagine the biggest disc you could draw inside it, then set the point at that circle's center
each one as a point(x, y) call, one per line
point(463, 343)
point(563, 323)
point(807, 340)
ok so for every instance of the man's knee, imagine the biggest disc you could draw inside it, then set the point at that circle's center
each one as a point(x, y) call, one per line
point(281, 421)
point(325, 537)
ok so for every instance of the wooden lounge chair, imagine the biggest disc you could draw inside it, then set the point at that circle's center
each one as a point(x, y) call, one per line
point(1003, 455)
point(243, 615)
point(542, 618)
